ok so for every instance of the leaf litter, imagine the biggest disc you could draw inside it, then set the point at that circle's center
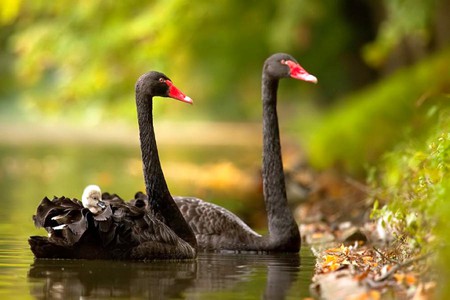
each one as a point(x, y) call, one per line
point(343, 238)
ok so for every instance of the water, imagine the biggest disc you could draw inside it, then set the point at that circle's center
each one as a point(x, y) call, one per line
point(31, 172)
point(211, 276)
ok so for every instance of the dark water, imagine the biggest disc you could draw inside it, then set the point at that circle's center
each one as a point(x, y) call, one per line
point(29, 173)
point(211, 276)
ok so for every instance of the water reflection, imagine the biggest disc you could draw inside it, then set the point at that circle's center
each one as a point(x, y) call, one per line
point(242, 275)
point(68, 279)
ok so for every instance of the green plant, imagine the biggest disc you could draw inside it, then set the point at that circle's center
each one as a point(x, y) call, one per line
point(412, 187)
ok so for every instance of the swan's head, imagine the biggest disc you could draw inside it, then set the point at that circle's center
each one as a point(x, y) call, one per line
point(282, 65)
point(92, 199)
point(157, 84)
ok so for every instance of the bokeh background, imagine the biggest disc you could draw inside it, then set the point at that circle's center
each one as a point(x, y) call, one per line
point(380, 65)
point(68, 116)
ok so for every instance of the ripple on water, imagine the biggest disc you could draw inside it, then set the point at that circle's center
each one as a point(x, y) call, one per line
point(15, 260)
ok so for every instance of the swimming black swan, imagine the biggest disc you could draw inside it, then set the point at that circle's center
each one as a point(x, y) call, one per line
point(217, 228)
point(122, 230)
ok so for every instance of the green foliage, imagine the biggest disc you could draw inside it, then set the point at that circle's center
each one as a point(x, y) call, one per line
point(370, 122)
point(405, 22)
point(413, 183)
point(412, 186)
point(82, 58)
point(86, 56)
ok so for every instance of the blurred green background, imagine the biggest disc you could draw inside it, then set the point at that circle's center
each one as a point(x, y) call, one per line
point(68, 116)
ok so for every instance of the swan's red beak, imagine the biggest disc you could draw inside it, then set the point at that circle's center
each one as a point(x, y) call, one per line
point(175, 93)
point(298, 72)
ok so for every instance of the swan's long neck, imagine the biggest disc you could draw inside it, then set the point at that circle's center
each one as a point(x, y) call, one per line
point(283, 229)
point(160, 200)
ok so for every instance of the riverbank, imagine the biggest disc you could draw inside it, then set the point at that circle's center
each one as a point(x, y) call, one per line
point(356, 257)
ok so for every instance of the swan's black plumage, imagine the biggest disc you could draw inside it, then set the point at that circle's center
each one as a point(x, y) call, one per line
point(122, 230)
point(219, 229)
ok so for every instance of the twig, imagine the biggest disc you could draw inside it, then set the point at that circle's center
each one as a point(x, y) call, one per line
point(384, 256)
point(402, 265)
point(358, 185)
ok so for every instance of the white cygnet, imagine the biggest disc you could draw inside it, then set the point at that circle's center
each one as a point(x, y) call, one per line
point(92, 199)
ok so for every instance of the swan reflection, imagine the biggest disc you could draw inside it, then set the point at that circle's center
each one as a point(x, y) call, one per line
point(273, 276)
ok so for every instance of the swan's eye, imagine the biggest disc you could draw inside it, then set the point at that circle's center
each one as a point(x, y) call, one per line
point(162, 80)
point(283, 61)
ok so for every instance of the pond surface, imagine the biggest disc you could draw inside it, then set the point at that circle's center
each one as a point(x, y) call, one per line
point(30, 172)
point(211, 276)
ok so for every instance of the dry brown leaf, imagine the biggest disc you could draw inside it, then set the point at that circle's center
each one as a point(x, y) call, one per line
point(361, 276)
point(367, 258)
point(331, 258)
point(330, 263)
point(341, 249)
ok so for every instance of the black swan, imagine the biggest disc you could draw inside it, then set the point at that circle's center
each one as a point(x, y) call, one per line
point(121, 230)
point(217, 228)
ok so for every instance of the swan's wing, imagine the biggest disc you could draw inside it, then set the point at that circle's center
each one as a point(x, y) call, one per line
point(210, 219)
point(42, 211)
point(116, 224)
point(112, 199)
point(105, 214)
point(65, 219)
point(67, 203)
point(140, 200)
point(153, 230)
point(48, 211)
point(137, 230)
point(138, 225)
point(75, 230)
point(157, 240)
point(68, 216)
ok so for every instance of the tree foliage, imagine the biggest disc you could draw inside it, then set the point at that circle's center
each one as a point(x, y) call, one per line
point(89, 54)
point(81, 60)
point(85, 56)
point(374, 120)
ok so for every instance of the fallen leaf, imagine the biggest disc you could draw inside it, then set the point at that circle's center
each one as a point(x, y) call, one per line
point(330, 258)
point(333, 266)
point(361, 276)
